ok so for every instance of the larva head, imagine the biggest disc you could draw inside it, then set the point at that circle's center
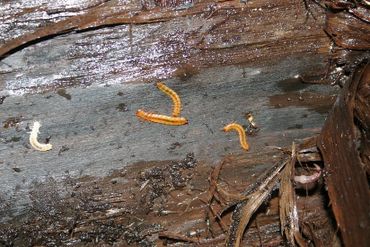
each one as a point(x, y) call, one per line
point(231, 126)
point(36, 125)
point(159, 84)
point(228, 127)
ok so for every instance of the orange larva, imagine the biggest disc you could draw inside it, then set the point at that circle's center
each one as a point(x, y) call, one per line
point(241, 132)
point(174, 96)
point(162, 119)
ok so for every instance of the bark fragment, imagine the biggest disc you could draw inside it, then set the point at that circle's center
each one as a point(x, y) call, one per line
point(346, 179)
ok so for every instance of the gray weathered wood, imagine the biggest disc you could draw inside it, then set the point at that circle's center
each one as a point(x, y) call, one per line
point(101, 138)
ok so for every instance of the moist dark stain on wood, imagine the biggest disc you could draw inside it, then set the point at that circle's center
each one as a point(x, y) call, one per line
point(313, 101)
point(292, 85)
point(296, 126)
point(186, 71)
point(62, 92)
point(122, 107)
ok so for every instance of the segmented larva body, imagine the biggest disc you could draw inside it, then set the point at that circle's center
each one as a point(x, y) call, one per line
point(241, 132)
point(174, 96)
point(33, 139)
point(306, 179)
point(162, 119)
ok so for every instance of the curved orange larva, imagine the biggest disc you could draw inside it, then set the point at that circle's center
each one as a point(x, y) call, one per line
point(162, 119)
point(241, 132)
point(174, 96)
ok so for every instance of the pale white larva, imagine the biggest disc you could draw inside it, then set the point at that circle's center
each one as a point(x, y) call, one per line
point(33, 139)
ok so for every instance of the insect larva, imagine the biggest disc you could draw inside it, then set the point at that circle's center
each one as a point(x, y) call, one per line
point(241, 132)
point(162, 119)
point(174, 96)
point(308, 179)
point(33, 139)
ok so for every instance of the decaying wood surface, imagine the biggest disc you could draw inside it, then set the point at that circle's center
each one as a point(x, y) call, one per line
point(173, 43)
point(344, 139)
point(83, 69)
point(346, 177)
point(288, 204)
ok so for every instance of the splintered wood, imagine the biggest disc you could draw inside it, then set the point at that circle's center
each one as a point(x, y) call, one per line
point(288, 205)
point(244, 205)
point(346, 177)
point(246, 208)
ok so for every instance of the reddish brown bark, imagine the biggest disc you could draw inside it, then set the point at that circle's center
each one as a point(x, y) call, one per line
point(346, 179)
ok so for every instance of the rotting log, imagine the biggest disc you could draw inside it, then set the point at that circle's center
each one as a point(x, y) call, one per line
point(114, 180)
point(344, 138)
point(346, 174)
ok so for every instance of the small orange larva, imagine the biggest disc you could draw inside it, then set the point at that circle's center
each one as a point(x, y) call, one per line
point(33, 139)
point(241, 132)
point(162, 119)
point(174, 96)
